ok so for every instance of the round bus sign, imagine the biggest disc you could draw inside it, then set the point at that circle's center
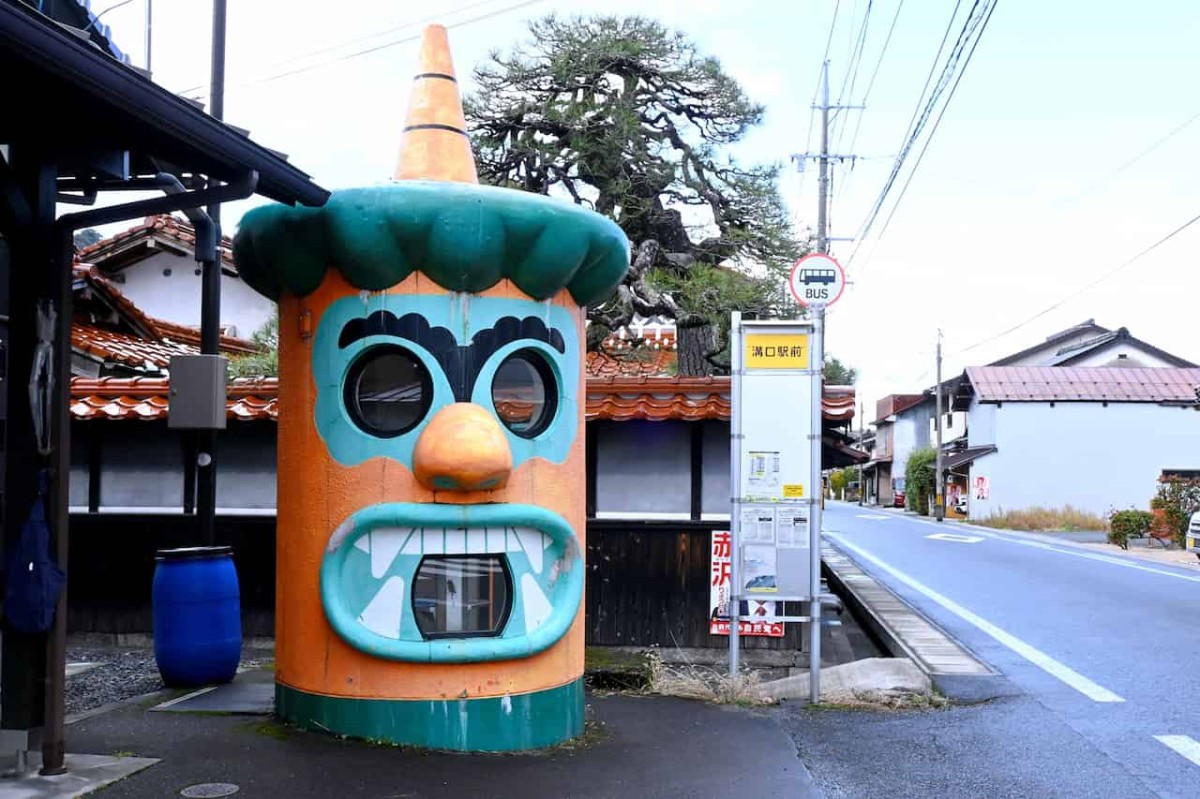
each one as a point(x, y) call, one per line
point(817, 280)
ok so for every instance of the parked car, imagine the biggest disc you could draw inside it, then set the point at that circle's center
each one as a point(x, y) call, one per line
point(1191, 540)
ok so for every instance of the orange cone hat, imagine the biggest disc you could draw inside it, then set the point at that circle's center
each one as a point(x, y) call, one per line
point(434, 145)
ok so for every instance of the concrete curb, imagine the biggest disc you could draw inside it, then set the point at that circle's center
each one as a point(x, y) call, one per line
point(965, 688)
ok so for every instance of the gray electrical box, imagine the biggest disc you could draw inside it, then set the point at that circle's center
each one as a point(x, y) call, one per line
point(197, 400)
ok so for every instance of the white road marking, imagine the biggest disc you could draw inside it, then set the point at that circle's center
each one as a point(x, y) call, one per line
point(1183, 745)
point(1115, 561)
point(1111, 559)
point(869, 516)
point(962, 539)
point(1090, 689)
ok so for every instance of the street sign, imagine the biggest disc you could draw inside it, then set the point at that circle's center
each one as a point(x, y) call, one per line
point(817, 280)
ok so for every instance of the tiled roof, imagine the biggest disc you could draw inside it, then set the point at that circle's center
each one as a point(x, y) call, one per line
point(690, 398)
point(125, 349)
point(619, 399)
point(157, 340)
point(165, 226)
point(637, 363)
point(1083, 384)
point(657, 398)
point(146, 398)
point(191, 335)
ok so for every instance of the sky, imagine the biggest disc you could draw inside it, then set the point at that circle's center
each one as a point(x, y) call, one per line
point(1024, 198)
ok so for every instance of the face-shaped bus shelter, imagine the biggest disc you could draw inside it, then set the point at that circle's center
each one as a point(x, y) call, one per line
point(431, 444)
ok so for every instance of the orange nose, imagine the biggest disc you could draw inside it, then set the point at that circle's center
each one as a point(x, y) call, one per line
point(462, 449)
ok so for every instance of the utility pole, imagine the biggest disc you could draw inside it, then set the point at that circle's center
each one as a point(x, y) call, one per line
point(823, 167)
point(940, 480)
point(862, 438)
point(824, 158)
point(210, 303)
point(817, 351)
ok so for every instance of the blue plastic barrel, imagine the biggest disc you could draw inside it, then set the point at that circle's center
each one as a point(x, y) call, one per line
point(197, 616)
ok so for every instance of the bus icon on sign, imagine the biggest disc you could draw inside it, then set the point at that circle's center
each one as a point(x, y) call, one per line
point(810, 276)
point(817, 279)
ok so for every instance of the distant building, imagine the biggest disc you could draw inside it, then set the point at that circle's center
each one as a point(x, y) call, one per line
point(154, 265)
point(1086, 353)
point(1093, 438)
point(1089, 344)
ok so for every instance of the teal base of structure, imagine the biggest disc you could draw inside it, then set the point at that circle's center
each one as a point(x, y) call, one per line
point(491, 724)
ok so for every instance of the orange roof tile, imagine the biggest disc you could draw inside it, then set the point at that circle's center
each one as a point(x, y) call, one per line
point(162, 225)
point(146, 398)
point(191, 335)
point(638, 362)
point(615, 399)
point(132, 351)
point(160, 340)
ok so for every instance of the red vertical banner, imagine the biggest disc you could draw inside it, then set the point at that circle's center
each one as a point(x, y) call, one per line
point(760, 617)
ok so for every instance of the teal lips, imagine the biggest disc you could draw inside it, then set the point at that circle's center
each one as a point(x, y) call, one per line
point(370, 564)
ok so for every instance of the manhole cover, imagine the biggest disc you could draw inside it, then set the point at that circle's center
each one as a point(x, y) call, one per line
point(208, 790)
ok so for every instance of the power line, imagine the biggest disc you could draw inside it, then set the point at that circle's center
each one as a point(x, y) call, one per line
point(1124, 265)
point(907, 141)
point(816, 90)
point(852, 67)
point(377, 48)
point(358, 39)
point(933, 131)
point(871, 83)
point(1159, 143)
point(974, 22)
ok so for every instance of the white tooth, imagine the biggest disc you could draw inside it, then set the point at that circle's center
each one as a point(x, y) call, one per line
point(433, 542)
point(385, 546)
point(546, 541)
point(537, 607)
point(512, 543)
point(382, 615)
point(412, 546)
point(477, 542)
point(531, 542)
point(456, 541)
point(361, 543)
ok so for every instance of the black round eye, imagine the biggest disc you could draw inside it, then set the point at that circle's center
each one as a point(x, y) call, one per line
point(387, 391)
point(525, 393)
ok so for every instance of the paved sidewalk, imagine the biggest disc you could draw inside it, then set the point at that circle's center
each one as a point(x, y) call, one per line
point(635, 747)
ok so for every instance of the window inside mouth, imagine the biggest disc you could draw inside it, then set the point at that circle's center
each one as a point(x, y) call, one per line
point(462, 596)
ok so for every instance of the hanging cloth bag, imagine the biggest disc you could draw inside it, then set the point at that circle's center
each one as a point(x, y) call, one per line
point(34, 580)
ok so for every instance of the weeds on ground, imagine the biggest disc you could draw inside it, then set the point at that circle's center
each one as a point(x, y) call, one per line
point(689, 681)
point(884, 700)
point(1039, 519)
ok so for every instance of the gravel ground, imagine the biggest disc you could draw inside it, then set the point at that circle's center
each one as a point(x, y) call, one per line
point(122, 674)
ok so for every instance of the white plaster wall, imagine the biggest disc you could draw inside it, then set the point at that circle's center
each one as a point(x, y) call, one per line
point(1136, 356)
point(176, 297)
point(1045, 352)
point(981, 424)
point(1086, 455)
point(954, 425)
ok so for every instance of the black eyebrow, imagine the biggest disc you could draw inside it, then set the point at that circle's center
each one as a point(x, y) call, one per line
point(461, 364)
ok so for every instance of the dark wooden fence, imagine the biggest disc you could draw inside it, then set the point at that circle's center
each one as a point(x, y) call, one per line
point(110, 570)
point(647, 582)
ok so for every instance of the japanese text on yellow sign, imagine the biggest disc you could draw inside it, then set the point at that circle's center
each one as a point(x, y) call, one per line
point(776, 351)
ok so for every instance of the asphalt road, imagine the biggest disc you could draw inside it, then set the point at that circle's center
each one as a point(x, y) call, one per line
point(1103, 651)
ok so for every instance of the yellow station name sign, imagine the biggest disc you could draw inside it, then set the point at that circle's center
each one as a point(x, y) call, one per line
point(776, 351)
